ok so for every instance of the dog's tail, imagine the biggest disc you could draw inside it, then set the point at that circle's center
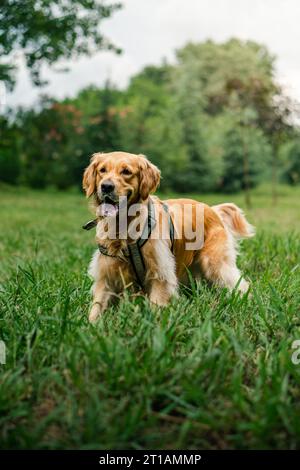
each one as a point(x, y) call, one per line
point(234, 219)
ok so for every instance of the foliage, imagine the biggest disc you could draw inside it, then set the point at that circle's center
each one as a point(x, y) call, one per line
point(241, 142)
point(49, 30)
point(56, 126)
point(9, 152)
point(214, 120)
point(290, 154)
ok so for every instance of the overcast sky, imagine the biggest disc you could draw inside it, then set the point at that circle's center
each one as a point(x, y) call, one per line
point(149, 30)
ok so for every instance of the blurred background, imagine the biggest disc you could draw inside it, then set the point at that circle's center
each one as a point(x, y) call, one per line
point(207, 90)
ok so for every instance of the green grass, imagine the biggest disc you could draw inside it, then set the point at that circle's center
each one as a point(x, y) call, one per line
point(211, 371)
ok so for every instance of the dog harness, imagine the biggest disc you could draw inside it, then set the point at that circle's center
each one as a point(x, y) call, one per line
point(133, 251)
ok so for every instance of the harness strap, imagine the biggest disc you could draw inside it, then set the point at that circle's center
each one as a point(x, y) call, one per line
point(104, 251)
point(171, 225)
point(91, 224)
point(137, 262)
point(149, 226)
point(134, 249)
point(134, 252)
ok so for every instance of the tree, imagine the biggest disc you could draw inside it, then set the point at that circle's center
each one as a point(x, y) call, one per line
point(233, 77)
point(238, 141)
point(101, 125)
point(212, 121)
point(10, 166)
point(235, 71)
point(146, 99)
point(51, 140)
point(290, 154)
point(58, 139)
point(189, 104)
point(49, 30)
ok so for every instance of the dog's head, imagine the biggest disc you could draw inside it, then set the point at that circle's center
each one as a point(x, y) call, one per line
point(111, 176)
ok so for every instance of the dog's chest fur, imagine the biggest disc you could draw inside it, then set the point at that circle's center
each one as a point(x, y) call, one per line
point(119, 274)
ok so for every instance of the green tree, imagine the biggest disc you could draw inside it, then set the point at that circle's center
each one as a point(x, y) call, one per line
point(10, 165)
point(190, 104)
point(290, 154)
point(58, 139)
point(149, 122)
point(214, 79)
point(51, 142)
point(100, 119)
point(212, 121)
point(224, 76)
point(49, 30)
point(241, 140)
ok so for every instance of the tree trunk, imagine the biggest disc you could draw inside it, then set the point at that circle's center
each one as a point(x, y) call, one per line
point(246, 175)
point(274, 179)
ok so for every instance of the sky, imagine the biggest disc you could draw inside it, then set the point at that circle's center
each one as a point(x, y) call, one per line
point(150, 30)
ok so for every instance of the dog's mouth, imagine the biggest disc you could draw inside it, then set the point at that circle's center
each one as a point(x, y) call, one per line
point(109, 207)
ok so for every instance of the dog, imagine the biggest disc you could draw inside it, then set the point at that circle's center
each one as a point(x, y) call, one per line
point(203, 245)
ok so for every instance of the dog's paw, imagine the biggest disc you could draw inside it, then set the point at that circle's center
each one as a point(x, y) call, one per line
point(243, 286)
point(95, 313)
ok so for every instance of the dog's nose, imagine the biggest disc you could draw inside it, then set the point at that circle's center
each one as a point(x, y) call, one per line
point(107, 187)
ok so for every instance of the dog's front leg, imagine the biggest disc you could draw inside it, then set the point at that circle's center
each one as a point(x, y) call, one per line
point(101, 298)
point(161, 292)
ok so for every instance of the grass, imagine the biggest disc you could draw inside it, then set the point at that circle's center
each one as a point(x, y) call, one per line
point(211, 371)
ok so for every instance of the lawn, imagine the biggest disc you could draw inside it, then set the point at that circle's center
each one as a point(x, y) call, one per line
point(212, 371)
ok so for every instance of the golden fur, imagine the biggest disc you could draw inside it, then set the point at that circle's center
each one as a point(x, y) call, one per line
point(136, 178)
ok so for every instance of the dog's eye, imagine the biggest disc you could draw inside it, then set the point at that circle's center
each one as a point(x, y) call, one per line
point(126, 171)
point(102, 170)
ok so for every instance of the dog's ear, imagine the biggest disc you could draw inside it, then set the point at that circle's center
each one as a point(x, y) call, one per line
point(149, 177)
point(89, 176)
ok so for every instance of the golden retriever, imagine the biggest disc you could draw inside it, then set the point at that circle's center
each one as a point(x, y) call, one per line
point(204, 243)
